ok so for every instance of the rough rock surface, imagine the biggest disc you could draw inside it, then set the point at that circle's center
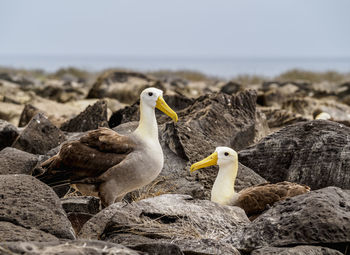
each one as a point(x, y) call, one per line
point(8, 133)
point(193, 225)
point(65, 247)
point(307, 106)
point(10, 232)
point(13, 161)
point(80, 209)
point(278, 118)
point(93, 117)
point(124, 86)
point(320, 217)
point(231, 88)
point(298, 250)
point(29, 204)
point(27, 114)
point(299, 152)
point(39, 136)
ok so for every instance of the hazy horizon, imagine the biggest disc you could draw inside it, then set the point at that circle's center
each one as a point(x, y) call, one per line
point(119, 33)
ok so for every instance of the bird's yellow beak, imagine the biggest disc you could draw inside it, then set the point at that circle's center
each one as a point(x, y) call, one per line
point(164, 107)
point(208, 161)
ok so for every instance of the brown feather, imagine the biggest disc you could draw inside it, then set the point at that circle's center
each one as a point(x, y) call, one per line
point(87, 158)
point(254, 200)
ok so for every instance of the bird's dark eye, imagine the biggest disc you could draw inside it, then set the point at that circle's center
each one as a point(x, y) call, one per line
point(150, 94)
point(226, 153)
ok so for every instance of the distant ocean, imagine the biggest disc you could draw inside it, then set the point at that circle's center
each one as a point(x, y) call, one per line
point(221, 67)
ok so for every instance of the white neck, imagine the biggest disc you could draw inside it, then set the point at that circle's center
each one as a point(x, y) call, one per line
point(148, 127)
point(223, 189)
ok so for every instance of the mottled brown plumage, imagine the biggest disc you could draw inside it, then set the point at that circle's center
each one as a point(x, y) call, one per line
point(256, 199)
point(83, 160)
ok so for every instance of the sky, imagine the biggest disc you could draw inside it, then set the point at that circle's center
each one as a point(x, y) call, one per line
point(181, 28)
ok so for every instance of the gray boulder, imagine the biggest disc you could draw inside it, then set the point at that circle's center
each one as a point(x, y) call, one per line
point(66, 247)
point(29, 204)
point(297, 250)
point(301, 152)
point(320, 217)
point(39, 136)
point(8, 133)
point(92, 117)
point(13, 161)
point(196, 226)
point(122, 85)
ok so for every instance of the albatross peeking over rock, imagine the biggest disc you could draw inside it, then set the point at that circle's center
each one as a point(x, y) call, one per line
point(253, 200)
point(108, 164)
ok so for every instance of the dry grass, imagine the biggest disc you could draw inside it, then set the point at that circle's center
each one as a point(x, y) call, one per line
point(159, 187)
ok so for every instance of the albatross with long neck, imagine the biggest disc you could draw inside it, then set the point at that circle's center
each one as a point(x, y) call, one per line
point(108, 164)
point(254, 200)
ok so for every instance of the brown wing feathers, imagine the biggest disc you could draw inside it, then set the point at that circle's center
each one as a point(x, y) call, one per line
point(254, 200)
point(91, 156)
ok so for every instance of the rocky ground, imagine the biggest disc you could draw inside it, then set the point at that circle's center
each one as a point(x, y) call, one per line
point(269, 122)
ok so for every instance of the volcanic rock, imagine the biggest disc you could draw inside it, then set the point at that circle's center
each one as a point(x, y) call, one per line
point(29, 204)
point(278, 118)
point(39, 136)
point(231, 88)
point(13, 161)
point(168, 218)
point(315, 153)
point(93, 117)
point(320, 217)
point(8, 133)
point(121, 85)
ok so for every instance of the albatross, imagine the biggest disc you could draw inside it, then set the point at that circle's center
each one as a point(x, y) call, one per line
point(107, 164)
point(253, 200)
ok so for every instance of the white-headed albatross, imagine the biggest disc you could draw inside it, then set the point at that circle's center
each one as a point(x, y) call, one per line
point(253, 200)
point(108, 164)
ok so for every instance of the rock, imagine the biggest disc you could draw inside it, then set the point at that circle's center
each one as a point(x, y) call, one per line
point(320, 217)
point(92, 117)
point(8, 133)
point(121, 85)
point(297, 250)
point(278, 118)
point(27, 114)
point(80, 209)
point(307, 106)
point(13, 161)
point(17, 79)
point(231, 88)
point(301, 151)
point(30, 204)
point(168, 218)
point(10, 232)
point(62, 91)
point(214, 120)
point(66, 247)
point(39, 136)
